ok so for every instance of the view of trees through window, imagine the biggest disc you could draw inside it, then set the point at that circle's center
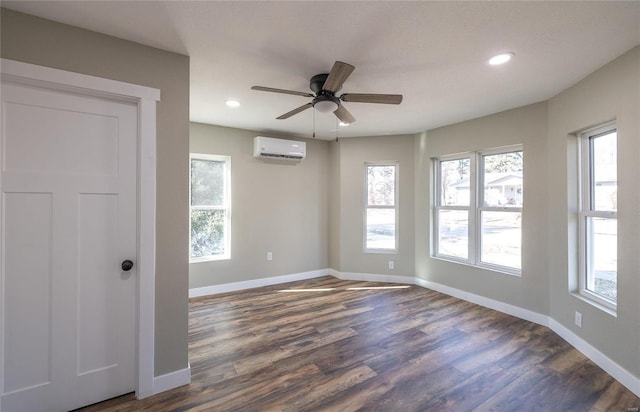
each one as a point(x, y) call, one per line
point(500, 213)
point(497, 209)
point(453, 221)
point(380, 207)
point(209, 213)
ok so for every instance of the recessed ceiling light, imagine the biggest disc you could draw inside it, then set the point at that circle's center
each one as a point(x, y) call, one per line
point(232, 103)
point(343, 124)
point(501, 58)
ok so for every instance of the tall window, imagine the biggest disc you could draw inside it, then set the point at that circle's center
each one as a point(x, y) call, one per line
point(598, 224)
point(453, 207)
point(478, 207)
point(381, 207)
point(501, 209)
point(210, 210)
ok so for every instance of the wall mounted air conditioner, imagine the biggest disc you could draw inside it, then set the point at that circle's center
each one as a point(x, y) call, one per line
point(279, 149)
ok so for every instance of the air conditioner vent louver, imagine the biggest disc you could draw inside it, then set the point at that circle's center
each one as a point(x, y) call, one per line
point(281, 156)
point(279, 149)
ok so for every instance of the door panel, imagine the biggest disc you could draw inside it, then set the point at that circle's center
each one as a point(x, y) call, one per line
point(29, 144)
point(68, 219)
point(27, 258)
point(96, 293)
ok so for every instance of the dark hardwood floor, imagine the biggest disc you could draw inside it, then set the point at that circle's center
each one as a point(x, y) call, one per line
point(384, 347)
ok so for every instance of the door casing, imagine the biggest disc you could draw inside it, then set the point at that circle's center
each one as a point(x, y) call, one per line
point(145, 99)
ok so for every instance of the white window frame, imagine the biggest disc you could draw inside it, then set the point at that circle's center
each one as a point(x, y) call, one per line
point(474, 210)
point(438, 206)
point(226, 206)
point(482, 208)
point(586, 211)
point(366, 207)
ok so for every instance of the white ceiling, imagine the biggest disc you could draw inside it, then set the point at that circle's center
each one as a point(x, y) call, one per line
point(434, 53)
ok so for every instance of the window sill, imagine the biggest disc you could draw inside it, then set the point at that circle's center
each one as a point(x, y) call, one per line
point(209, 259)
point(491, 268)
point(587, 299)
point(381, 251)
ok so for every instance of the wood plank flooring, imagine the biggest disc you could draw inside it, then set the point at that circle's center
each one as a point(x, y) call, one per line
point(347, 346)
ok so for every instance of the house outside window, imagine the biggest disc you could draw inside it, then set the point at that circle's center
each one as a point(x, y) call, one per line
point(478, 208)
point(209, 207)
point(598, 216)
point(381, 207)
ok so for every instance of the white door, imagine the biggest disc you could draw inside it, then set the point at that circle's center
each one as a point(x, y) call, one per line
point(68, 190)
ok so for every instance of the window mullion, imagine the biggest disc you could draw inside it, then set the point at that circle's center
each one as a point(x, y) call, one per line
point(474, 212)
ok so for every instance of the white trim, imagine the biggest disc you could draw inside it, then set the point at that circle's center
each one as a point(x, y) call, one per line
point(623, 376)
point(226, 206)
point(255, 283)
point(586, 211)
point(145, 98)
point(395, 207)
point(474, 209)
point(503, 307)
point(146, 248)
point(369, 277)
point(172, 380)
point(47, 77)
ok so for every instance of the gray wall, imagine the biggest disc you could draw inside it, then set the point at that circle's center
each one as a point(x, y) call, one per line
point(526, 126)
point(350, 156)
point(334, 206)
point(549, 245)
point(281, 208)
point(33, 40)
point(613, 92)
point(309, 214)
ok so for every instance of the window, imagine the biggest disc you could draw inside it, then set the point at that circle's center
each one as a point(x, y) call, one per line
point(598, 223)
point(209, 207)
point(381, 207)
point(478, 208)
point(501, 209)
point(452, 212)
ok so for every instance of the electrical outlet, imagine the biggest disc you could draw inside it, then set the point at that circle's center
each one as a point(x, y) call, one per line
point(578, 319)
point(392, 264)
point(269, 256)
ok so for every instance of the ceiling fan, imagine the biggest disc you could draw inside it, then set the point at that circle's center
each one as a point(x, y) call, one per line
point(325, 86)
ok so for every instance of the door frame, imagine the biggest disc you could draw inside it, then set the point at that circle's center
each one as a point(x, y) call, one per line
point(145, 99)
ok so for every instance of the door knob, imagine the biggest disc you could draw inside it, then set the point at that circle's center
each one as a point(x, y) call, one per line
point(126, 265)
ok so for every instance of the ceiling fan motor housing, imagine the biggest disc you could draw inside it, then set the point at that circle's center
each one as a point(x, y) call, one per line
point(325, 100)
point(317, 82)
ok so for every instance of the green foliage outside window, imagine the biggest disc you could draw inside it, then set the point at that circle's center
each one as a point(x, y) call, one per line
point(208, 203)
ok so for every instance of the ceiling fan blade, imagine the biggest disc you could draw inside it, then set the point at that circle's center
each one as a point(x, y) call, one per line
point(344, 115)
point(271, 89)
point(338, 74)
point(372, 98)
point(295, 111)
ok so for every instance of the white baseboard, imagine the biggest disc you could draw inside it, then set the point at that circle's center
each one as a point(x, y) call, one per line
point(623, 376)
point(507, 308)
point(369, 277)
point(618, 372)
point(612, 368)
point(255, 283)
point(172, 380)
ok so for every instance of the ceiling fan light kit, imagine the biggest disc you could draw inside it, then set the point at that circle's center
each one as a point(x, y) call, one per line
point(325, 104)
point(325, 86)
